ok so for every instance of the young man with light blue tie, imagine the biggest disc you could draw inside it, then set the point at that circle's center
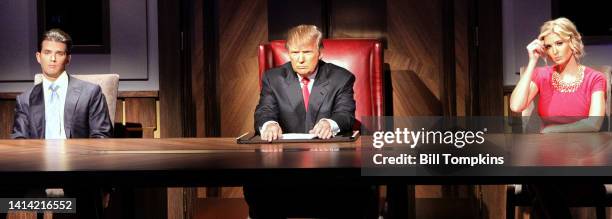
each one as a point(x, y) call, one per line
point(61, 106)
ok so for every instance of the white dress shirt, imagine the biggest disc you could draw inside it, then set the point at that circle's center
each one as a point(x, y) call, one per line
point(62, 82)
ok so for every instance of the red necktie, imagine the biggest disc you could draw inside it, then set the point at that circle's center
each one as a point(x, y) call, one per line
point(305, 91)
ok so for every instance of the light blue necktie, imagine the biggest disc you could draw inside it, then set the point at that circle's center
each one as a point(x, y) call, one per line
point(53, 118)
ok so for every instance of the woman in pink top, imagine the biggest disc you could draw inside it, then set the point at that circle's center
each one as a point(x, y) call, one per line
point(572, 99)
point(572, 96)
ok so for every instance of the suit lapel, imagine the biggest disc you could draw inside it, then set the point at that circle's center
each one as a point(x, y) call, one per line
point(318, 92)
point(294, 92)
point(37, 110)
point(72, 97)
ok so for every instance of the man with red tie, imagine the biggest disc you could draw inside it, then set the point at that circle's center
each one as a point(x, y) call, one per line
point(305, 95)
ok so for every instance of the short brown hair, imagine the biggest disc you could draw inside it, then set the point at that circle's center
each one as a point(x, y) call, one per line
point(57, 35)
point(304, 33)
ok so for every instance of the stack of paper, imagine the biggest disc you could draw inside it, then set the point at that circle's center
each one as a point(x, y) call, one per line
point(290, 136)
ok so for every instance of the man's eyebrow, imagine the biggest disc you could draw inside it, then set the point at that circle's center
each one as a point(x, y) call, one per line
point(50, 50)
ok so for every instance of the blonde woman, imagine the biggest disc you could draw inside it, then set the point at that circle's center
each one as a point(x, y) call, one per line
point(571, 99)
point(571, 95)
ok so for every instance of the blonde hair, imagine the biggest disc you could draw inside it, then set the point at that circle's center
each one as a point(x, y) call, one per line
point(566, 31)
point(303, 34)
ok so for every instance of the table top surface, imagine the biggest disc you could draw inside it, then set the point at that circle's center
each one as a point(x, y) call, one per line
point(193, 159)
point(170, 154)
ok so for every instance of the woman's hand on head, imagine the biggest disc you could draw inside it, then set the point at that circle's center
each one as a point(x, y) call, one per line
point(535, 49)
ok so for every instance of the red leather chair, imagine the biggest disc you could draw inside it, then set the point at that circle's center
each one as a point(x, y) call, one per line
point(362, 57)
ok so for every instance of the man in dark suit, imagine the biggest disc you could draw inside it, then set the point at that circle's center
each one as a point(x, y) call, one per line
point(62, 107)
point(307, 95)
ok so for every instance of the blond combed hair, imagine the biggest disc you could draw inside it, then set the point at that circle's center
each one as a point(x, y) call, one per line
point(301, 34)
point(566, 31)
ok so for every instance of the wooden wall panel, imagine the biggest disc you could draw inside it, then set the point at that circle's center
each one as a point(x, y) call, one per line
point(493, 199)
point(411, 96)
point(119, 112)
point(197, 68)
point(242, 27)
point(447, 75)
point(414, 54)
point(171, 76)
point(461, 54)
point(488, 88)
point(413, 37)
point(357, 19)
point(7, 109)
point(141, 111)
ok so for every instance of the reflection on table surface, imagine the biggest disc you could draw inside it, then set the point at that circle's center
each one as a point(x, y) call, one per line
point(573, 149)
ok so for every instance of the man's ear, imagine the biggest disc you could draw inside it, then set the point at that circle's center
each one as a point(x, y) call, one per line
point(68, 59)
point(38, 57)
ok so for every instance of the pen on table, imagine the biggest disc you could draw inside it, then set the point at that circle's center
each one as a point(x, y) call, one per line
point(239, 137)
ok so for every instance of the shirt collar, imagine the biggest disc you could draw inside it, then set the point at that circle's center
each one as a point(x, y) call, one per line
point(62, 81)
point(312, 76)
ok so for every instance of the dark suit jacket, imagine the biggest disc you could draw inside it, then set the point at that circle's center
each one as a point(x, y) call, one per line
point(85, 112)
point(331, 97)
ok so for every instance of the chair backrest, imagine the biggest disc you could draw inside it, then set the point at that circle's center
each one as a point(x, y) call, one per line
point(530, 114)
point(607, 71)
point(362, 57)
point(108, 82)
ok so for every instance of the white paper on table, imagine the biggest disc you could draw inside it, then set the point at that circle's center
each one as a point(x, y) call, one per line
point(292, 136)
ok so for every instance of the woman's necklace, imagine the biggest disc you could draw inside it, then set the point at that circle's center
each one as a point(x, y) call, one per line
point(567, 87)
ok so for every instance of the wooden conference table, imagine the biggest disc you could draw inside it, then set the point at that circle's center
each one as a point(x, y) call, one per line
point(172, 162)
point(223, 162)
point(220, 161)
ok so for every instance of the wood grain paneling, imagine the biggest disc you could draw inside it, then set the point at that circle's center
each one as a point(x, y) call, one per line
point(242, 27)
point(8, 95)
point(119, 111)
point(414, 55)
point(211, 56)
point(488, 80)
point(411, 96)
point(493, 199)
point(461, 54)
point(7, 113)
point(126, 94)
point(197, 67)
point(412, 32)
point(170, 70)
point(141, 111)
point(357, 19)
point(448, 88)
